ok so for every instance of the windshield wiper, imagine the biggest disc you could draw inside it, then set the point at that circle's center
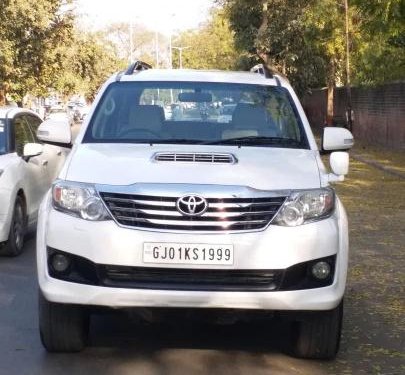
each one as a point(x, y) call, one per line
point(255, 140)
point(175, 140)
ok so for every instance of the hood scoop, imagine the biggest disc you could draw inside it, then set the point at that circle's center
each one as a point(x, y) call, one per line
point(191, 157)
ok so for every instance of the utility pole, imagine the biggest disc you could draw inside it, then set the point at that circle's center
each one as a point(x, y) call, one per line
point(180, 49)
point(348, 88)
point(170, 51)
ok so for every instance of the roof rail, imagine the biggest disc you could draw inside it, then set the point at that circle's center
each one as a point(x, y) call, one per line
point(136, 66)
point(268, 73)
point(262, 69)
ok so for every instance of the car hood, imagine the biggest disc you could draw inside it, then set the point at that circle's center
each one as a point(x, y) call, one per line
point(264, 168)
point(6, 159)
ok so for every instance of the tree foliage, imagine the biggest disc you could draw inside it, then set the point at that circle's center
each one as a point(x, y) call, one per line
point(89, 60)
point(302, 40)
point(143, 41)
point(209, 47)
point(30, 36)
point(381, 55)
point(306, 40)
point(41, 50)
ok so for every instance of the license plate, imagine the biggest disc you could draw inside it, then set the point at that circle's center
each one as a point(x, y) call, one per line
point(185, 253)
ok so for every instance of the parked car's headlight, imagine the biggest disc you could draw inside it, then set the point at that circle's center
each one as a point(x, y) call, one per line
point(79, 200)
point(306, 206)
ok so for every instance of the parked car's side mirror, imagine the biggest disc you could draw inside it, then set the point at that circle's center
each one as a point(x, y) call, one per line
point(55, 132)
point(339, 163)
point(336, 139)
point(32, 149)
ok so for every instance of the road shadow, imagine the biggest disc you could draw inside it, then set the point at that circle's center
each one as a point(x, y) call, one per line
point(178, 330)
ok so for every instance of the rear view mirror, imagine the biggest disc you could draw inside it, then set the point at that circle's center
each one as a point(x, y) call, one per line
point(335, 139)
point(56, 132)
point(195, 97)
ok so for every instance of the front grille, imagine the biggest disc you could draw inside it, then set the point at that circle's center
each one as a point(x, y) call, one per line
point(195, 157)
point(190, 279)
point(222, 214)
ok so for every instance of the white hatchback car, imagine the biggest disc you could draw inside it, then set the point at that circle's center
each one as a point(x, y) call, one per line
point(27, 169)
point(193, 212)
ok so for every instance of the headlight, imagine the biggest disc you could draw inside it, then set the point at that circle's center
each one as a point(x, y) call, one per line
point(306, 206)
point(79, 200)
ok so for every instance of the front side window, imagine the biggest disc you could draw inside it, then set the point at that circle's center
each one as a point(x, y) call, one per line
point(196, 113)
point(33, 125)
point(3, 137)
point(23, 134)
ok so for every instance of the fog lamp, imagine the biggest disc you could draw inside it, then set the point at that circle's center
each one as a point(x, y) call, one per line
point(321, 270)
point(60, 262)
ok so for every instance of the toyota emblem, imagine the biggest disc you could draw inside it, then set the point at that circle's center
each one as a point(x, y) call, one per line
point(192, 205)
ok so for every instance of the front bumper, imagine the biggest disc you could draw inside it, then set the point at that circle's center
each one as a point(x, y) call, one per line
point(274, 248)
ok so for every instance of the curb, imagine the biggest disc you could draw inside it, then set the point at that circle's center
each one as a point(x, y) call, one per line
point(377, 165)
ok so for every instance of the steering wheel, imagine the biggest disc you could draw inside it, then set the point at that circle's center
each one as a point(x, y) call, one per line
point(129, 131)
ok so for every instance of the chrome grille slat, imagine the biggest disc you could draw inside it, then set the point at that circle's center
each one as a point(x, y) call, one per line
point(223, 214)
point(217, 214)
point(213, 223)
point(240, 205)
point(142, 202)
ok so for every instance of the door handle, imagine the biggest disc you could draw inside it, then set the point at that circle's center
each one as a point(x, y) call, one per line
point(59, 153)
point(44, 163)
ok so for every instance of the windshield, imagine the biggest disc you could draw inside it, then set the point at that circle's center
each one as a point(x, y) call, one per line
point(2, 136)
point(196, 113)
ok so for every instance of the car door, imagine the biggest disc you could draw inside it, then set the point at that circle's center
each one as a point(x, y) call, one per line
point(55, 156)
point(34, 176)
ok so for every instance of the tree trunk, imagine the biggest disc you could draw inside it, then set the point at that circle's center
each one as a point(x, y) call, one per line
point(2, 97)
point(330, 95)
point(329, 108)
point(260, 50)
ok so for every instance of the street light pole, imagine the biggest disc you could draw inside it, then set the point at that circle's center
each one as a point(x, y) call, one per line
point(157, 48)
point(170, 41)
point(181, 55)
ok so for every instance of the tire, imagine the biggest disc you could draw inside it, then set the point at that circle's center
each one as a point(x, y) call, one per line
point(15, 243)
point(63, 328)
point(318, 336)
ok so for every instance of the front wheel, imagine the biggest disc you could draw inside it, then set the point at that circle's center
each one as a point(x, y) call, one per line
point(63, 328)
point(15, 242)
point(318, 336)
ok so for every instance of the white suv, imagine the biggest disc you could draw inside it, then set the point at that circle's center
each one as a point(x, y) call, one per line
point(27, 170)
point(198, 210)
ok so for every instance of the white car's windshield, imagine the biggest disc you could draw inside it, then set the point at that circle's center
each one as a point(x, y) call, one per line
point(196, 113)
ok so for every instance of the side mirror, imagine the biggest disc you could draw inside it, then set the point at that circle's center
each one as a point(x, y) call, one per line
point(339, 163)
point(336, 139)
point(55, 132)
point(32, 149)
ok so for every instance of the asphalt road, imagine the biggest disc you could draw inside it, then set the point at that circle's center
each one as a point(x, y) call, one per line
point(120, 344)
point(373, 337)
